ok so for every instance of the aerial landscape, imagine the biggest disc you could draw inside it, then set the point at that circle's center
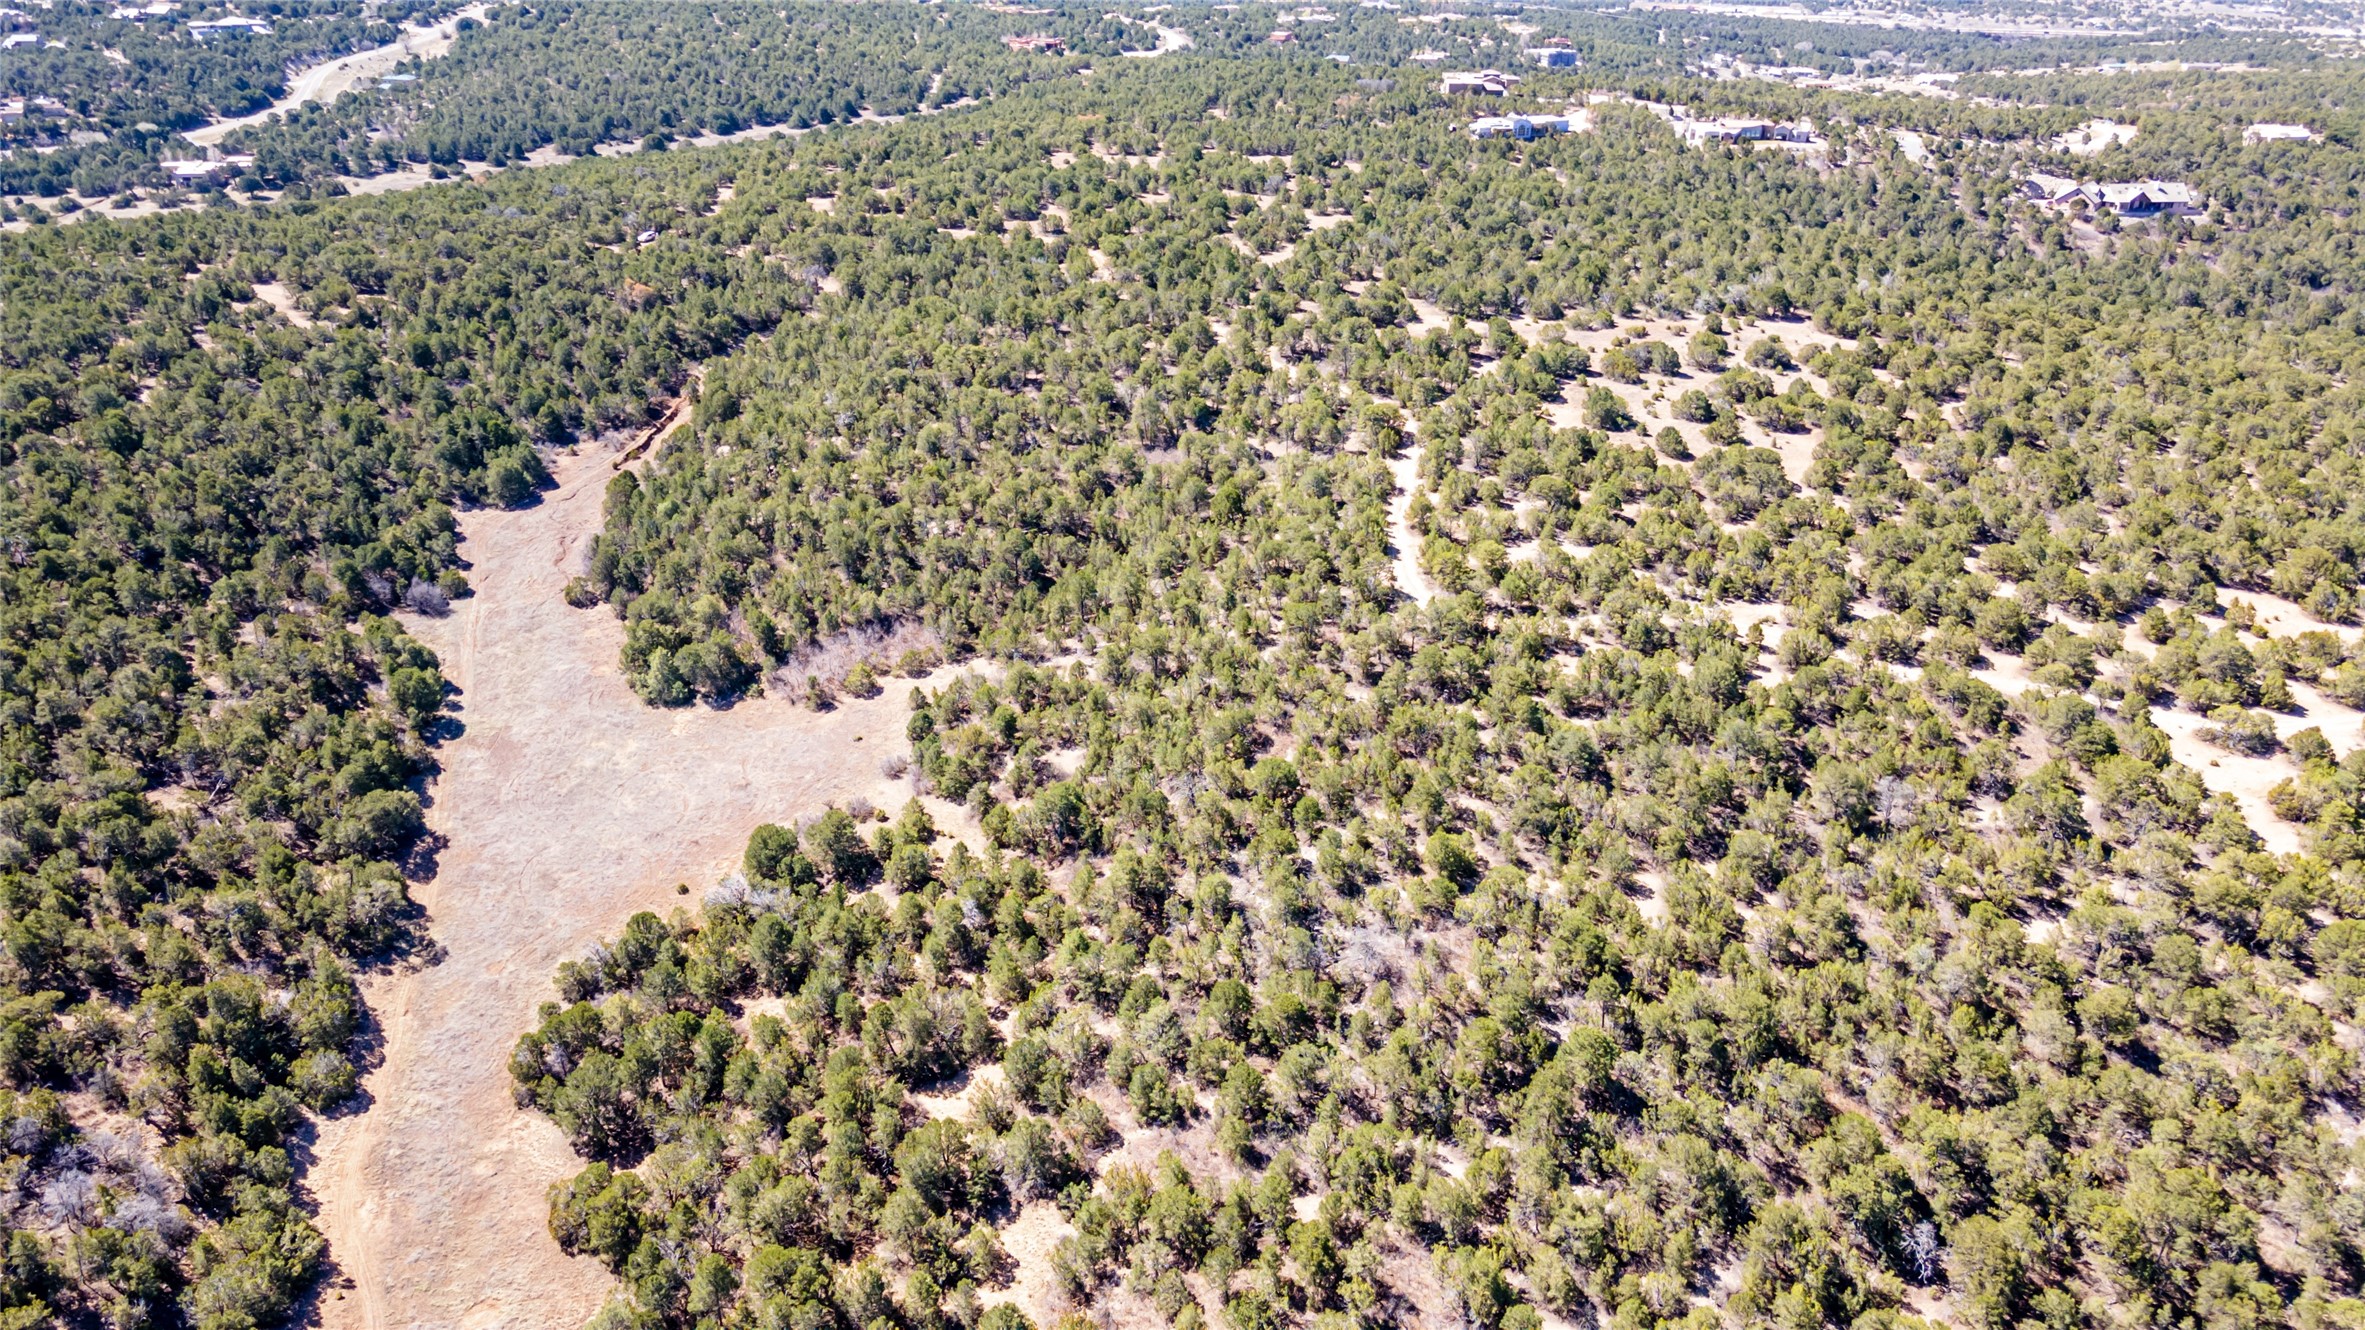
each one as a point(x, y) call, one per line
point(943, 665)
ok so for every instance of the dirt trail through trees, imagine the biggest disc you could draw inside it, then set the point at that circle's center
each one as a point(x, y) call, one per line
point(1410, 579)
point(330, 79)
point(566, 805)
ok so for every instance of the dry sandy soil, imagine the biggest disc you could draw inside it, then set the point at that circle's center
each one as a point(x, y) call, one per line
point(566, 805)
point(278, 297)
point(2283, 618)
point(2094, 137)
point(2246, 779)
point(1406, 467)
point(1033, 1286)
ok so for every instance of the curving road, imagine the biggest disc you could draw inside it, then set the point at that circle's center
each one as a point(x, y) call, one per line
point(331, 79)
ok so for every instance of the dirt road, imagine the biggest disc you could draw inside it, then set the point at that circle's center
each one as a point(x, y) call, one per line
point(331, 79)
point(567, 804)
point(1410, 579)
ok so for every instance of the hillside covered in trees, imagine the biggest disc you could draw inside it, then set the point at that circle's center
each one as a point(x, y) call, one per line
point(117, 83)
point(1592, 731)
point(568, 77)
point(1750, 877)
point(576, 75)
point(213, 727)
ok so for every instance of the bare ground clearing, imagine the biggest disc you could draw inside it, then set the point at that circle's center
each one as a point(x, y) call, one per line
point(566, 805)
point(1410, 579)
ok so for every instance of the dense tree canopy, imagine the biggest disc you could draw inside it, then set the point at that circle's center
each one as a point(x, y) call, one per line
point(1552, 927)
point(573, 76)
point(1726, 842)
point(211, 729)
point(129, 84)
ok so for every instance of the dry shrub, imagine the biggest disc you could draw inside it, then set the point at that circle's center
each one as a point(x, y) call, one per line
point(904, 647)
point(425, 597)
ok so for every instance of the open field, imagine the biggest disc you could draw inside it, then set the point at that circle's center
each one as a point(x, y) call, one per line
point(565, 805)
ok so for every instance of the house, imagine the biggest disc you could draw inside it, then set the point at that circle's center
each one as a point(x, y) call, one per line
point(2144, 198)
point(17, 110)
point(2130, 198)
point(1521, 127)
point(234, 25)
point(1553, 57)
point(1744, 129)
point(1038, 42)
point(1280, 38)
point(1484, 83)
point(1725, 129)
point(2269, 133)
point(196, 169)
point(17, 39)
point(141, 13)
point(2048, 188)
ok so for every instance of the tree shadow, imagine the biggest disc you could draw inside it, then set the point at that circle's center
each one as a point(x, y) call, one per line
point(425, 856)
point(331, 1282)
